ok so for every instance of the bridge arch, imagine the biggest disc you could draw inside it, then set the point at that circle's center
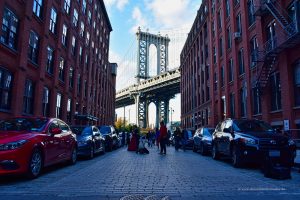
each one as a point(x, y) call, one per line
point(146, 39)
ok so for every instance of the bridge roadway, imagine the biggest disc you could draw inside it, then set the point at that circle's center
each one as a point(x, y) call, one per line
point(165, 84)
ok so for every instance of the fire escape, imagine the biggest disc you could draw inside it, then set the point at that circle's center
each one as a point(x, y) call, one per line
point(286, 37)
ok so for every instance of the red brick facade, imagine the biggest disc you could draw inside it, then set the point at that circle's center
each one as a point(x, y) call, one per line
point(32, 70)
point(226, 68)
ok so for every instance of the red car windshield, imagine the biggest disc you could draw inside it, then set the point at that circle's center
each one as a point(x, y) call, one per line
point(23, 124)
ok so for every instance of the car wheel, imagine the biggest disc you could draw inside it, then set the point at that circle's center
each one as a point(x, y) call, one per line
point(91, 156)
point(215, 154)
point(35, 164)
point(73, 158)
point(236, 157)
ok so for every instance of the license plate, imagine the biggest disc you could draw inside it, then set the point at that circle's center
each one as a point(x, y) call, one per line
point(274, 153)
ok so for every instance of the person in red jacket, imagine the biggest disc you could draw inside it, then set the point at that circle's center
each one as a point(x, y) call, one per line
point(163, 138)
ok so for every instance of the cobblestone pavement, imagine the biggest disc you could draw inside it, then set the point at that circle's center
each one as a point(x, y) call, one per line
point(127, 175)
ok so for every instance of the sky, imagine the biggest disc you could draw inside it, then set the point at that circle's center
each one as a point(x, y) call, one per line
point(155, 16)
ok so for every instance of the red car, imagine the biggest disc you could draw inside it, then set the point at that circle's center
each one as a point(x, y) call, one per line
point(27, 144)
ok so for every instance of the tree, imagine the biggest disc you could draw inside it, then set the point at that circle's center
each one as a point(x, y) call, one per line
point(120, 123)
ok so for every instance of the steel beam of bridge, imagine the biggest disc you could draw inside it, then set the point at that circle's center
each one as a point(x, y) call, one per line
point(159, 90)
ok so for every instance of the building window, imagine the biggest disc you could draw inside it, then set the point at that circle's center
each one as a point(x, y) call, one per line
point(256, 101)
point(251, 16)
point(45, 102)
point(67, 4)
point(9, 29)
point(253, 51)
point(215, 81)
point(5, 89)
point(87, 41)
point(33, 49)
point(58, 105)
point(71, 77)
point(275, 92)
point(80, 54)
point(73, 49)
point(215, 55)
point(50, 60)
point(83, 6)
point(222, 76)
point(37, 8)
point(231, 70)
point(75, 17)
point(64, 35)
point(229, 38)
point(221, 47)
point(297, 83)
point(232, 108)
point(241, 61)
point(271, 36)
point(69, 110)
point(85, 88)
point(219, 19)
point(243, 102)
point(78, 84)
point(89, 17)
point(81, 29)
point(227, 8)
point(53, 18)
point(239, 23)
point(28, 97)
point(61, 72)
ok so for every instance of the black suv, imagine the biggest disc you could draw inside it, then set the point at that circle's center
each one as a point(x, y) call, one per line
point(250, 141)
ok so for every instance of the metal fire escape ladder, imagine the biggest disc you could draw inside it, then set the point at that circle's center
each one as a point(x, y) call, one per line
point(275, 45)
point(280, 15)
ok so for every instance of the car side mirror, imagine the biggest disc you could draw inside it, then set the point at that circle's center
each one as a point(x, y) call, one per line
point(55, 131)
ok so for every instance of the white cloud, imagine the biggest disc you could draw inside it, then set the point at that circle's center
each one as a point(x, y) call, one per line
point(139, 19)
point(169, 13)
point(120, 4)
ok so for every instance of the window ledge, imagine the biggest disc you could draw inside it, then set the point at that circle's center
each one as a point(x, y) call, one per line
point(12, 50)
point(296, 107)
point(257, 115)
point(276, 111)
point(5, 111)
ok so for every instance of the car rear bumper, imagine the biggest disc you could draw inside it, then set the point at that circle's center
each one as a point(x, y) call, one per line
point(254, 155)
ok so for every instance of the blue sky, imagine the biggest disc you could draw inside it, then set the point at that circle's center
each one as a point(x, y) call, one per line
point(153, 15)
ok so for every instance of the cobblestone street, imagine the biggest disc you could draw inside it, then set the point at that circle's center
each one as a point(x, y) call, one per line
point(177, 175)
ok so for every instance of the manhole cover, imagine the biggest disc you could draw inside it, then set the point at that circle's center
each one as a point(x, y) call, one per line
point(141, 197)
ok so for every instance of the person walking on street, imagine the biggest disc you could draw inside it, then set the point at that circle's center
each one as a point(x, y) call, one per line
point(163, 138)
point(177, 135)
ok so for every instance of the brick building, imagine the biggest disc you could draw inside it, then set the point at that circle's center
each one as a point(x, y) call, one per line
point(54, 60)
point(242, 60)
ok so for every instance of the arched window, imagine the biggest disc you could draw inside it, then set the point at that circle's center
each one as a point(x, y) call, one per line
point(297, 83)
point(6, 79)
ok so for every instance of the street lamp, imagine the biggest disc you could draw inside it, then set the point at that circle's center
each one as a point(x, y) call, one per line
point(171, 110)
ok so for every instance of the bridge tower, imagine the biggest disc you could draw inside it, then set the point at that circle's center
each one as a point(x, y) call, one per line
point(144, 40)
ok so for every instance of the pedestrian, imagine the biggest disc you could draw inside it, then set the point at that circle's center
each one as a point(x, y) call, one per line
point(163, 135)
point(127, 138)
point(157, 137)
point(177, 135)
point(142, 145)
point(184, 139)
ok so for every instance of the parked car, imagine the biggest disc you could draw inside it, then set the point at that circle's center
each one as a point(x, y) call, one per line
point(189, 139)
point(90, 140)
point(250, 141)
point(203, 139)
point(111, 139)
point(27, 144)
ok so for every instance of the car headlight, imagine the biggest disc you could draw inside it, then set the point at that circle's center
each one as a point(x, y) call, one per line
point(291, 142)
point(12, 145)
point(248, 141)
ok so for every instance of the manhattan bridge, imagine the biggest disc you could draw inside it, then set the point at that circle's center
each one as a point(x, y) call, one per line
point(149, 73)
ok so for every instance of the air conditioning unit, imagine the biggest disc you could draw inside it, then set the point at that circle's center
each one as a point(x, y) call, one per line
point(237, 35)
